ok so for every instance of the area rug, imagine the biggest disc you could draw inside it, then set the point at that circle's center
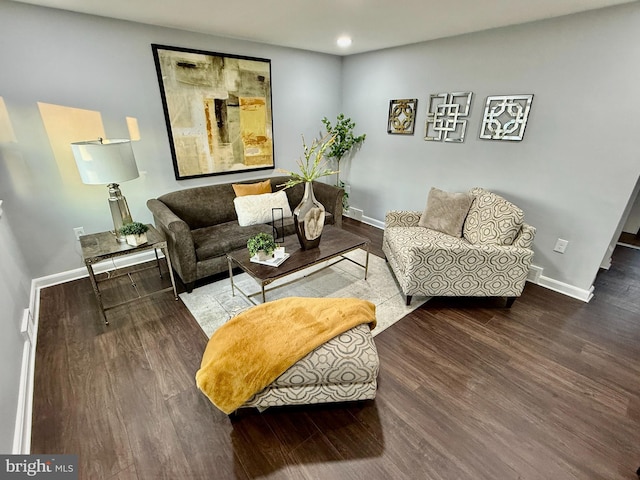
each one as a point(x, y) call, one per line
point(212, 305)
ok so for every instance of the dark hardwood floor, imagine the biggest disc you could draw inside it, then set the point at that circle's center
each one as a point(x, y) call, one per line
point(629, 239)
point(549, 389)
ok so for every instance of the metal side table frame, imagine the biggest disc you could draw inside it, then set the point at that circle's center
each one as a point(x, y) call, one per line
point(98, 247)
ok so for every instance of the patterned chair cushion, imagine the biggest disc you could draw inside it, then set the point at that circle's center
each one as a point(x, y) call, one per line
point(407, 243)
point(492, 220)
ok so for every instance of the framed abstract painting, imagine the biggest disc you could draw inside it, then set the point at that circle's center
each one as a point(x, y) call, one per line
point(217, 109)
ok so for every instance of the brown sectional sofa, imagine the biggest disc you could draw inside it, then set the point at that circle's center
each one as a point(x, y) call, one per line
point(201, 225)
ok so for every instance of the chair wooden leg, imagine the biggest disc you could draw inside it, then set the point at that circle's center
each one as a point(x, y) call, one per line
point(510, 301)
point(409, 297)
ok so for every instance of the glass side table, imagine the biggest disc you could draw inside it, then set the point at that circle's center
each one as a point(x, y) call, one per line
point(97, 247)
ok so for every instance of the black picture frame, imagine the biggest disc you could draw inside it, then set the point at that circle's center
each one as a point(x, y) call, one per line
point(218, 111)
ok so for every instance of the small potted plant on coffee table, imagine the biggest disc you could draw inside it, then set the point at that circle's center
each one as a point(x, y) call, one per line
point(135, 232)
point(261, 246)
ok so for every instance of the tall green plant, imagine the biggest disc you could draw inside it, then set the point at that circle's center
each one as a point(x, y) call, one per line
point(343, 144)
point(315, 164)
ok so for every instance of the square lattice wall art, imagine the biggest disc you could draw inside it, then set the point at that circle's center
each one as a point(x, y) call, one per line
point(402, 116)
point(447, 115)
point(505, 117)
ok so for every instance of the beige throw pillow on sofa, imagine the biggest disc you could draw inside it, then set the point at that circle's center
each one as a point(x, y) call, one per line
point(255, 209)
point(446, 212)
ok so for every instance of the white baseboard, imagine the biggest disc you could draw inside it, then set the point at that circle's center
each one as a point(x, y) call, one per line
point(373, 222)
point(566, 289)
point(75, 274)
point(22, 431)
point(358, 215)
point(534, 275)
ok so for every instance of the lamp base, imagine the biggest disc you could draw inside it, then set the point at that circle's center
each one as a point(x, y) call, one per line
point(119, 211)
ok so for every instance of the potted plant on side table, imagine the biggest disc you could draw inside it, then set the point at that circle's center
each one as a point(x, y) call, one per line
point(135, 232)
point(261, 245)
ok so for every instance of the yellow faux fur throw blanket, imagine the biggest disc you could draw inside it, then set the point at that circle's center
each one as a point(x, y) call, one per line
point(254, 348)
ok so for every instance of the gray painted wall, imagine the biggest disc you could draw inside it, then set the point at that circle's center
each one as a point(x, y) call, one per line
point(576, 168)
point(14, 299)
point(105, 65)
point(92, 63)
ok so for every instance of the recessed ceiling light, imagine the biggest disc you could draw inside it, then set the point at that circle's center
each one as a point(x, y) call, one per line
point(344, 41)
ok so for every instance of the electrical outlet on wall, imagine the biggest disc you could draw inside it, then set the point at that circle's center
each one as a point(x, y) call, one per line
point(561, 245)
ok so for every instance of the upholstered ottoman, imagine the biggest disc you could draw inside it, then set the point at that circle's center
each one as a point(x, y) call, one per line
point(292, 351)
point(343, 369)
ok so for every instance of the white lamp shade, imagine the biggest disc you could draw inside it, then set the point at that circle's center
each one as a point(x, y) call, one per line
point(105, 161)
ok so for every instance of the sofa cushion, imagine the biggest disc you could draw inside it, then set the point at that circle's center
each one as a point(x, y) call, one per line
point(492, 220)
point(255, 209)
point(407, 242)
point(221, 239)
point(202, 206)
point(242, 189)
point(445, 211)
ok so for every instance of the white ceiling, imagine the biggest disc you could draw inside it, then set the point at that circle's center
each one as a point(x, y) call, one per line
point(316, 25)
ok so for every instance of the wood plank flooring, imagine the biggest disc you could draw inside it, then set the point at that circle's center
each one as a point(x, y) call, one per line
point(549, 389)
point(629, 239)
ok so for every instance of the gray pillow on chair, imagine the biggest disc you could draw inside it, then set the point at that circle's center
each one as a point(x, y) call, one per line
point(446, 212)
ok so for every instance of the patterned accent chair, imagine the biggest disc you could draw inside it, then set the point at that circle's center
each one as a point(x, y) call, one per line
point(491, 258)
point(343, 369)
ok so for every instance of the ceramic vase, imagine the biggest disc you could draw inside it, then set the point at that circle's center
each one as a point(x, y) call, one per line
point(135, 240)
point(262, 255)
point(308, 218)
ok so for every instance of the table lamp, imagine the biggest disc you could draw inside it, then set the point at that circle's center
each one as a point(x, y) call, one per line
point(108, 162)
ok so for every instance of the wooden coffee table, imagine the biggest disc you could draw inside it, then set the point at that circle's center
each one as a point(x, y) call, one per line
point(335, 243)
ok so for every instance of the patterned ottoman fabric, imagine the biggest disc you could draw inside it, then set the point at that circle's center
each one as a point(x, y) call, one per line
point(344, 368)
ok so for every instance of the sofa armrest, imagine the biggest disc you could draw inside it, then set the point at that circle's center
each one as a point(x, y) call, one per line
point(402, 218)
point(330, 197)
point(525, 236)
point(179, 240)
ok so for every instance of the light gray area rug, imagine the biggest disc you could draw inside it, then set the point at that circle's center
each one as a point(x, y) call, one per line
point(212, 305)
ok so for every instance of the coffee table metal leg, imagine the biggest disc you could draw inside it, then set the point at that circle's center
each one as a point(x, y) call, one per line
point(366, 262)
point(263, 295)
point(233, 290)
